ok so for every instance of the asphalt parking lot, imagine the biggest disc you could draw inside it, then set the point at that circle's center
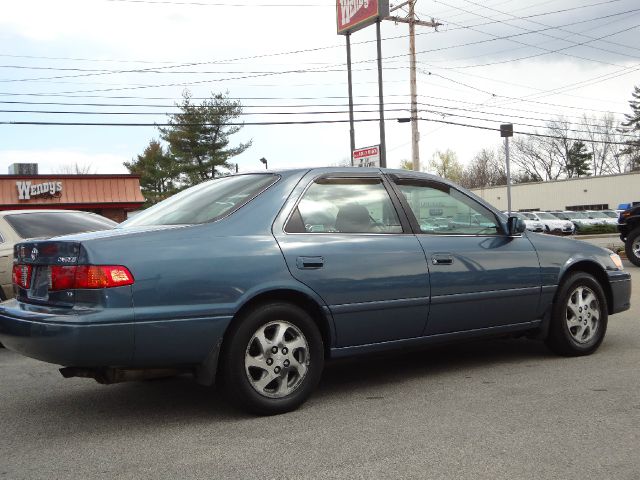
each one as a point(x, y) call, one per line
point(498, 409)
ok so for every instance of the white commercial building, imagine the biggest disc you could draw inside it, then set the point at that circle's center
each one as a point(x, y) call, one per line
point(586, 193)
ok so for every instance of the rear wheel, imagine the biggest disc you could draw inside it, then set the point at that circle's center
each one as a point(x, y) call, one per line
point(273, 359)
point(579, 316)
point(632, 247)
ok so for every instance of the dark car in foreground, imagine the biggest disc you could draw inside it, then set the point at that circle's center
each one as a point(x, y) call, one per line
point(258, 278)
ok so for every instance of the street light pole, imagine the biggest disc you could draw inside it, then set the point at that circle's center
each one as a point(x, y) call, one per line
point(264, 160)
point(506, 131)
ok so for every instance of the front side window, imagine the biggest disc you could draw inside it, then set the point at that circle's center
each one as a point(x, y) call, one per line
point(206, 202)
point(441, 209)
point(345, 205)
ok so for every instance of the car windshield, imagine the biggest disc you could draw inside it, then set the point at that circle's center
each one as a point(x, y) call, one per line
point(546, 216)
point(205, 202)
point(579, 215)
point(597, 215)
point(52, 224)
point(610, 213)
point(530, 216)
point(559, 215)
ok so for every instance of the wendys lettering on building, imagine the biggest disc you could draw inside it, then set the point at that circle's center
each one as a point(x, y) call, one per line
point(26, 189)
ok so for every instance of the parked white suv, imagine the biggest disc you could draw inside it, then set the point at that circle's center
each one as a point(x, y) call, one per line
point(601, 217)
point(532, 225)
point(552, 224)
point(579, 219)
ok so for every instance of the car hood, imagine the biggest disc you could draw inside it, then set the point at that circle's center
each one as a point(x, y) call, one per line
point(571, 250)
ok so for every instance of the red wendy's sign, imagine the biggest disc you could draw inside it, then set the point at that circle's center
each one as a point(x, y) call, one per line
point(352, 15)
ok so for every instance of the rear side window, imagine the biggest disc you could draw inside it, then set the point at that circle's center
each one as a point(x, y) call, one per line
point(345, 205)
point(51, 224)
point(206, 202)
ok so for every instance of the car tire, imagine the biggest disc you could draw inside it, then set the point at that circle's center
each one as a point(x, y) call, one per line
point(578, 317)
point(272, 359)
point(632, 247)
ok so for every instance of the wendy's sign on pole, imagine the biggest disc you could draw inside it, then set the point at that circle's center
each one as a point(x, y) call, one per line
point(352, 15)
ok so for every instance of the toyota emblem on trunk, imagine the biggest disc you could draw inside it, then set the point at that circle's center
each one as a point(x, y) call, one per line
point(34, 254)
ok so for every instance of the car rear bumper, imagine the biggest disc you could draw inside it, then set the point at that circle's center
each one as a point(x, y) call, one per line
point(70, 337)
point(620, 291)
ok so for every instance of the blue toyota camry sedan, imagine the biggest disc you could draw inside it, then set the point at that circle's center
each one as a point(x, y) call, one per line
point(258, 278)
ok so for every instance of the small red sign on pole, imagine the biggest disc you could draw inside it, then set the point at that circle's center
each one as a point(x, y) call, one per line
point(366, 157)
point(352, 15)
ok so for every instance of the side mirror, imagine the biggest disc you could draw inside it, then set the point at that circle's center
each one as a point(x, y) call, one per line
point(515, 226)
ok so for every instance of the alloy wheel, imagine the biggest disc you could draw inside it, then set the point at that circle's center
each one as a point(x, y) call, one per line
point(277, 359)
point(583, 314)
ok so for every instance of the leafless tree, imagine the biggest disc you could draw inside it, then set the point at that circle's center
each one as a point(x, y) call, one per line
point(75, 169)
point(535, 158)
point(485, 170)
point(603, 138)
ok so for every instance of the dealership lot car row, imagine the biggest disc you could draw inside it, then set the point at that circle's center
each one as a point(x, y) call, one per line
point(258, 278)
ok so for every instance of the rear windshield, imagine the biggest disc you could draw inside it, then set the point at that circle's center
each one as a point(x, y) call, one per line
point(52, 224)
point(205, 202)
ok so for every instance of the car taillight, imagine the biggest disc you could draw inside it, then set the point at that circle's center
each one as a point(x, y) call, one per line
point(89, 276)
point(22, 275)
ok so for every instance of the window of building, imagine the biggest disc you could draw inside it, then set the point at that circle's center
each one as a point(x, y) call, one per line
point(597, 206)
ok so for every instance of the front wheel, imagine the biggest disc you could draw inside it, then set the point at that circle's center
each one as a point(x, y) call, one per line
point(579, 316)
point(632, 247)
point(273, 359)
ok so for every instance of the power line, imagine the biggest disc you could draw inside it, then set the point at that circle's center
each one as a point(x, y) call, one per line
point(565, 39)
point(308, 50)
point(219, 4)
point(515, 17)
point(333, 112)
point(315, 69)
point(546, 51)
point(308, 122)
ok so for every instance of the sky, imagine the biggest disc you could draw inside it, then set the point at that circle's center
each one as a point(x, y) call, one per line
point(524, 62)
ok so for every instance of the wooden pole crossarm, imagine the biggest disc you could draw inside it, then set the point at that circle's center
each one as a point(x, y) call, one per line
point(393, 9)
point(432, 23)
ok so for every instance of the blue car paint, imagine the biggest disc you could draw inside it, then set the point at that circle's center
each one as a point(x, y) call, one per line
point(376, 291)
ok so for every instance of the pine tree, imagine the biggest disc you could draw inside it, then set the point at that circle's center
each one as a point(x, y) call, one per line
point(198, 137)
point(578, 160)
point(632, 127)
point(157, 172)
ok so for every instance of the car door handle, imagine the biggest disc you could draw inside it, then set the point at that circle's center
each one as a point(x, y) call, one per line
point(309, 262)
point(442, 259)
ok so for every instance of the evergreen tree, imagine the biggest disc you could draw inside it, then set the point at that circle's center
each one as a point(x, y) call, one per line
point(157, 172)
point(198, 137)
point(632, 127)
point(578, 160)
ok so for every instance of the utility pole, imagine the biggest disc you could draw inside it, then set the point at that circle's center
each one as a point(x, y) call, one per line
point(413, 21)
